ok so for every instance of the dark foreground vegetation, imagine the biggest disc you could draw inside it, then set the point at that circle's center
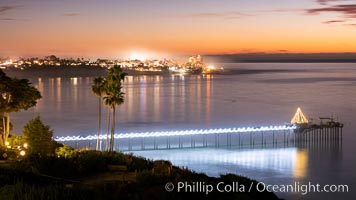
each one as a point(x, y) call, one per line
point(105, 175)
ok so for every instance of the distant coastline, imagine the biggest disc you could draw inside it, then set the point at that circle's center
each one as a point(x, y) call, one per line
point(284, 58)
point(69, 71)
point(90, 71)
point(87, 71)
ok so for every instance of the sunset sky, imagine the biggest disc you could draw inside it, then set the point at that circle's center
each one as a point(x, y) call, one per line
point(114, 28)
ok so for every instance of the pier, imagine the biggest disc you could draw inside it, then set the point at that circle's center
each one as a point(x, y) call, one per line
point(299, 132)
point(314, 133)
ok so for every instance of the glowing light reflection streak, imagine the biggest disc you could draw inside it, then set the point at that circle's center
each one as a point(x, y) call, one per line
point(180, 133)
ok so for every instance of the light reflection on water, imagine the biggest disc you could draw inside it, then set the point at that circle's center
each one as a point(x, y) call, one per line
point(287, 161)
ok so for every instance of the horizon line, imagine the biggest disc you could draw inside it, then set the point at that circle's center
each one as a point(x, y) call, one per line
point(186, 55)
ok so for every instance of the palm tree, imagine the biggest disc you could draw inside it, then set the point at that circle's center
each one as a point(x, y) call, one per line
point(117, 74)
point(98, 88)
point(108, 131)
point(113, 96)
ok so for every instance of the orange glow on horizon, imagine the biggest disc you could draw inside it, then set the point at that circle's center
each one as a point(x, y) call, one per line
point(172, 28)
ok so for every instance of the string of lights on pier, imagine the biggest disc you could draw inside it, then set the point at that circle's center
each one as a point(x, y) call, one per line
point(181, 133)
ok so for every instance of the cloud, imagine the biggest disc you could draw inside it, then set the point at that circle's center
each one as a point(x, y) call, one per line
point(348, 11)
point(283, 50)
point(226, 15)
point(324, 2)
point(4, 9)
point(12, 19)
point(353, 25)
point(333, 21)
point(73, 14)
point(7, 19)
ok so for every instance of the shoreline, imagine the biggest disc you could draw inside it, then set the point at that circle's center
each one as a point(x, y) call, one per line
point(78, 71)
point(85, 71)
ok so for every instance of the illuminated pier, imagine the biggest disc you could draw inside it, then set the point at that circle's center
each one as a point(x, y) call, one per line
point(322, 131)
point(220, 137)
point(329, 132)
point(300, 131)
point(180, 133)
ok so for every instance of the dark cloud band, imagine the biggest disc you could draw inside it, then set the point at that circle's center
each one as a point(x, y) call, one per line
point(349, 11)
point(4, 9)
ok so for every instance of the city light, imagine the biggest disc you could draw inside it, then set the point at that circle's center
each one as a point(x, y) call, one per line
point(25, 145)
point(137, 56)
point(22, 153)
point(180, 133)
point(7, 143)
point(141, 61)
point(211, 67)
point(10, 62)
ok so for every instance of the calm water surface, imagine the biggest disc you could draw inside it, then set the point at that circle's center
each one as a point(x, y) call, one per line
point(253, 95)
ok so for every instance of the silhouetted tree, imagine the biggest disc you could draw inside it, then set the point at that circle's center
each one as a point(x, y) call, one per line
point(109, 88)
point(15, 95)
point(39, 137)
point(98, 89)
point(113, 96)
